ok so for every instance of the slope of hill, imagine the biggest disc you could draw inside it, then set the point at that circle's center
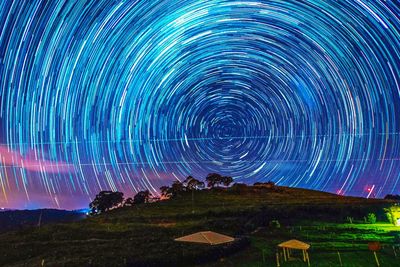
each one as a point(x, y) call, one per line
point(143, 235)
point(17, 219)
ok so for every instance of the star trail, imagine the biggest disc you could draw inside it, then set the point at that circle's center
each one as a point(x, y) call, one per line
point(130, 95)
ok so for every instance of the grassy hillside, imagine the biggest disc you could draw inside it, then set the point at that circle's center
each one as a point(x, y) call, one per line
point(18, 219)
point(143, 235)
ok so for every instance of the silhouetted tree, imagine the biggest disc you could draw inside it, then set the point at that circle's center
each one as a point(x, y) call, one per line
point(271, 183)
point(128, 202)
point(191, 183)
point(215, 179)
point(227, 180)
point(142, 197)
point(105, 200)
point(176, 188)
point(165, 191)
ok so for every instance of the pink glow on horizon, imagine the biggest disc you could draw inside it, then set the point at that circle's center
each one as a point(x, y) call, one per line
point(14, 158)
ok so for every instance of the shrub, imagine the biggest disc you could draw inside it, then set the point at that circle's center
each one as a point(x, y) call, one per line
point(393, 214)
point(371, 218)
point(275, 224)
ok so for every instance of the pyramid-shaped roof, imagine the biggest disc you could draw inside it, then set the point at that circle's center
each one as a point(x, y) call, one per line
point(294, 244)
point(206, 237)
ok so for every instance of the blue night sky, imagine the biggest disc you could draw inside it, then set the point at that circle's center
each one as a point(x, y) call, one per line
point(131, 95)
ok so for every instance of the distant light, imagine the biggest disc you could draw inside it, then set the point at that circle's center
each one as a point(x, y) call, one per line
point(83, 211)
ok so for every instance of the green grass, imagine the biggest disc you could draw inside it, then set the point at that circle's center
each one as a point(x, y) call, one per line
point(326, 239)
point(145, 233)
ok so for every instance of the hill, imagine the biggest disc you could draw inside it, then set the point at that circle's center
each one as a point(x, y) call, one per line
point(143, 235)
point(18, 219)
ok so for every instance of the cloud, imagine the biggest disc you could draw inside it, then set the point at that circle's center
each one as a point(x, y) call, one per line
point(14, 158)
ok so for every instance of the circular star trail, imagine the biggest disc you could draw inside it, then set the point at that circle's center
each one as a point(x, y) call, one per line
point(129, 95)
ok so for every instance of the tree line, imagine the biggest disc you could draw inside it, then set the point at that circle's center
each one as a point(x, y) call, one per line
point(107, 200)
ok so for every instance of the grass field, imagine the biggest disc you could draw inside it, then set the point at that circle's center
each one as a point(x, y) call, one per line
point(327, 240)
point(143, 235)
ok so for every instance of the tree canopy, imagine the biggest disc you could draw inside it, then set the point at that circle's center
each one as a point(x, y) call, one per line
point(215, 179)
point(172, 191)
point(128, 202)
point(191, 183)
point(177, 187)
point(106, 200)
point(142, 197)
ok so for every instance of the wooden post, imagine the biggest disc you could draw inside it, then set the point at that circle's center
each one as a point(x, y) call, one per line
point(304, 255)
point(284, 254)
point(376, 259)
point(277, 260)
point(308, 259)
point(192, 201)
point(340, 258)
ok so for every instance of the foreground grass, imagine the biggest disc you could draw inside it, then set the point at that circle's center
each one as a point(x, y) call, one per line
point(327, 240)
point(144, 234)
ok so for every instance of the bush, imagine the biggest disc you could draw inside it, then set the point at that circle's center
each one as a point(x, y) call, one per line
point(393, 214)
point(275, 224)
point(371, 218)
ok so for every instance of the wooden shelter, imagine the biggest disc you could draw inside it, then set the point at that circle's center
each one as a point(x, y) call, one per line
point(294, 244)
point(206, 237)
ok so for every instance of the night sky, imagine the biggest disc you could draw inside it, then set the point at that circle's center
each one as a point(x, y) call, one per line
point(130, 95)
